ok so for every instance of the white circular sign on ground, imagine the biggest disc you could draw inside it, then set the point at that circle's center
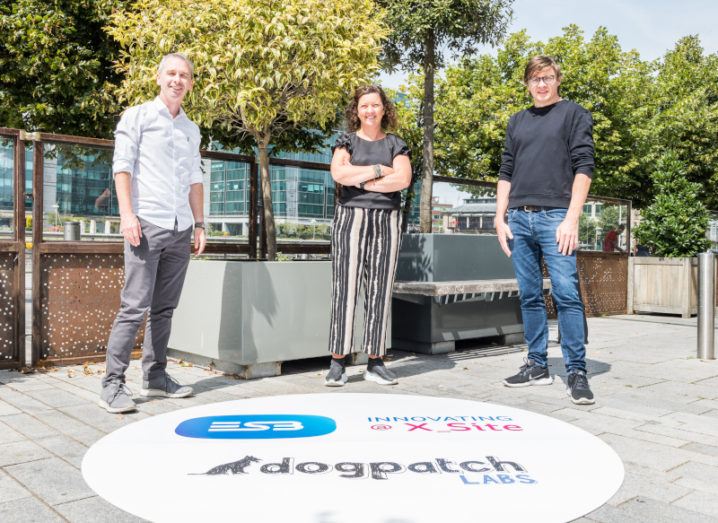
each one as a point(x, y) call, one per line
point(353, 457)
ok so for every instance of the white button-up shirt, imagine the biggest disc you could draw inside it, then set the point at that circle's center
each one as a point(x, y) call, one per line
point(161, 154)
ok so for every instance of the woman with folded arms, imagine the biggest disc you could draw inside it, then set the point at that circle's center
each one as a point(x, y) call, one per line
point(372, 166)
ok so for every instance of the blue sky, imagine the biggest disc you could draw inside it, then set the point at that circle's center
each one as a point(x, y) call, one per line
point(650, 26)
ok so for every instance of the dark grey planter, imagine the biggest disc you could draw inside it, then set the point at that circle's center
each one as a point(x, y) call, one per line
point(433, 325)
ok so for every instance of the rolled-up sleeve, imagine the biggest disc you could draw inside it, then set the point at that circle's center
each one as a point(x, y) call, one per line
point(196, 172)
point(581, 144)
point(506, 170)
point(127, 138)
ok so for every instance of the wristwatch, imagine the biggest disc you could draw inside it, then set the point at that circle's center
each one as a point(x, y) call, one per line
point(377, 171)
point(199, 225)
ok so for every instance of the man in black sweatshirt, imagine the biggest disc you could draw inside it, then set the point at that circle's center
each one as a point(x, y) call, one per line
point(545, 175)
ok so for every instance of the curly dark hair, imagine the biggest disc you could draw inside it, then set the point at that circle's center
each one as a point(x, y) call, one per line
point(388, 121)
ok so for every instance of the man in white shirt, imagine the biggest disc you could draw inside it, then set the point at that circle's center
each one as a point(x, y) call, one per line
point(158, 179)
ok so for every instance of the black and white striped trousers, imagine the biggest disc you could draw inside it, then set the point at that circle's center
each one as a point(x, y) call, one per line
point(365, 248)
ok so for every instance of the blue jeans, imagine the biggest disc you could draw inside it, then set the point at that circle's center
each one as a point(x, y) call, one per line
point(535, 237)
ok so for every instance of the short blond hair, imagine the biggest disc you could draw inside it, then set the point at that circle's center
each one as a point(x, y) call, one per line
point(541, 62)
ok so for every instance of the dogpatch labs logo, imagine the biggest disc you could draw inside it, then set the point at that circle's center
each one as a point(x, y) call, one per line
point(256, 426)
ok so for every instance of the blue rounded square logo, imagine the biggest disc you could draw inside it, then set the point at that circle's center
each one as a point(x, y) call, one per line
point(256, 426)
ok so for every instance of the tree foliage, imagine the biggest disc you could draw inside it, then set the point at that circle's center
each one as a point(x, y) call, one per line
point(56, 66)
point(477, 97)
point(641, 109)
point(675, 224)
point(421, 31)
point(685, 114)
point(268, 70)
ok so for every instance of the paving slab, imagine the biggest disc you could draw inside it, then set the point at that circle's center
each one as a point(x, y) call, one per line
point(70, 426)
point(10, 489)
point(6, 408)
point(21, 452)
point(697, 476)
point(53, 480)
point(27, 510)
point(9, 435)
point(647, 509)
point(708, 450)
point(93, 510)
point(66, 448)
point(29, 426)
point(702, 502)
point(55, 397)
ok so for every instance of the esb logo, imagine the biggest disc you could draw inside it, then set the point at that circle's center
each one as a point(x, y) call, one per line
point(256, 426)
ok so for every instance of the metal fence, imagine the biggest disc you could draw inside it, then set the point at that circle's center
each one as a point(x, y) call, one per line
point(76, 284)
point(469, 206)
point(12, 261)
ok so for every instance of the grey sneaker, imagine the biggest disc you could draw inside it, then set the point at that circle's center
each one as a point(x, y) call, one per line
point(337, 375)
point(377, 372)
point(116, 398)
point(165, 387)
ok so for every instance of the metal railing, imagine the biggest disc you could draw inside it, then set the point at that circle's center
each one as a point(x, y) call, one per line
point(75, 284)
point(12, 267)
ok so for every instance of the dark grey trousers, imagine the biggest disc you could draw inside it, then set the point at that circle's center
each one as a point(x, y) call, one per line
point(154, 275)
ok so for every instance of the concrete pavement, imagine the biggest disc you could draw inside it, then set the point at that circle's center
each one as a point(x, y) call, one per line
point(657, 406)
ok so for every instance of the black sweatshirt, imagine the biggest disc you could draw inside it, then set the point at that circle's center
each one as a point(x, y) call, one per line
point(545, 148)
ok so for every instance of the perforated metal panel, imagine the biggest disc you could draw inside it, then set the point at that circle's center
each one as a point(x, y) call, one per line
point(8, 312)
point(80, 298)
point(604, 283)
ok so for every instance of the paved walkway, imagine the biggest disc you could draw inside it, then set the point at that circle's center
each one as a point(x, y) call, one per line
point(657, 406)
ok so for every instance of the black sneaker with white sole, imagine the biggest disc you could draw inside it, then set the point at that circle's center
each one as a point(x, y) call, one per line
point(529, 374)
point(337, 375)
point(377, 372)
point(578, 389)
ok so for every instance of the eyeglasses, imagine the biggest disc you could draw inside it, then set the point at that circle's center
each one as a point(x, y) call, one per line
point(548, 80)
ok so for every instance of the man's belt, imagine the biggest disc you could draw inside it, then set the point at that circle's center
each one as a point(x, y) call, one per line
point(536, 208)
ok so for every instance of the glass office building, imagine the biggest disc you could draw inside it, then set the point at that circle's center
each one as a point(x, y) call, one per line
point(300, 195)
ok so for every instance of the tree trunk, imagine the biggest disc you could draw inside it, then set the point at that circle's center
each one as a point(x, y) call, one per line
point(428, 150)
point(267, 199)
point(410, 195)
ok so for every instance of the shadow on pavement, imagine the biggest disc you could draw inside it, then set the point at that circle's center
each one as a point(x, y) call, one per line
point(594, 367)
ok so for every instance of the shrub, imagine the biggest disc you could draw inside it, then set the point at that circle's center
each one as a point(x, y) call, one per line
point(675, 224)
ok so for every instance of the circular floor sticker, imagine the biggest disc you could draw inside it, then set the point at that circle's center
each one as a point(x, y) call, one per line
point(353, 457)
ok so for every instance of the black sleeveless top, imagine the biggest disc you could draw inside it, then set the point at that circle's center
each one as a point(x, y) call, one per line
point(366, 152)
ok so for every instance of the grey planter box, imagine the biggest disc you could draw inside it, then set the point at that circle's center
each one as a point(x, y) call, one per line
point(434, 324)
point(248, 317)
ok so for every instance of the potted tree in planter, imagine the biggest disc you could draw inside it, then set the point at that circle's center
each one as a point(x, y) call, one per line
point(673, 228)
point(273, 74)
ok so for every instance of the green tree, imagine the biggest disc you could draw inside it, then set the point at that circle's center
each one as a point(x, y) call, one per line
point(611, 216)
point(686, 116)
point(476, 98)
point(617, 87)
point(56, 66)
point(422, 31)
point(268, 70)
point(587, 231)
point(675, 224)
